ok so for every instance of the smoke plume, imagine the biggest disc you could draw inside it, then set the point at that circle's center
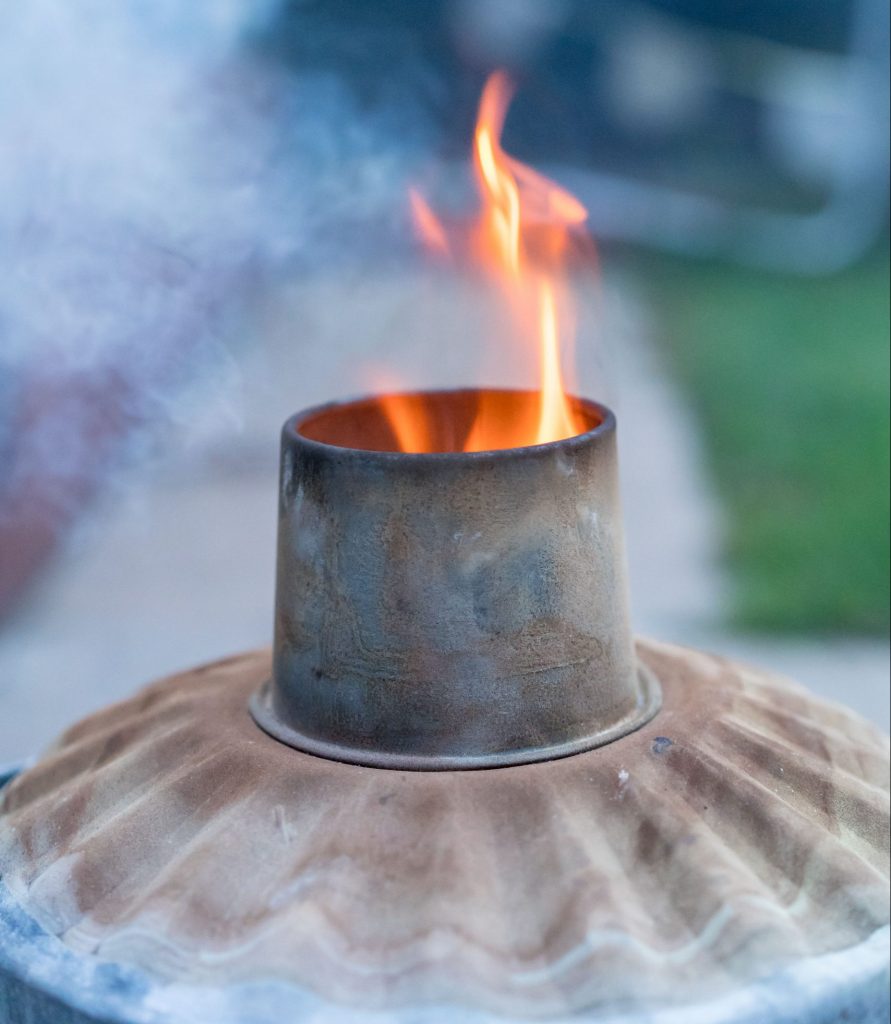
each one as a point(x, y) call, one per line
point(156, 167)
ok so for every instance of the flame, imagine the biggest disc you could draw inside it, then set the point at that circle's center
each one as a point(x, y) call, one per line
point(409, 424)
point(522, 239)
point(428, 224)
point(412, 429)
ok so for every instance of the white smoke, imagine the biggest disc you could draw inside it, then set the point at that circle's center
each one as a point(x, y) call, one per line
point(154, 168)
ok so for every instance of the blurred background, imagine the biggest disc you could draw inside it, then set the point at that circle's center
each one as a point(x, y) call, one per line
point(204, 228)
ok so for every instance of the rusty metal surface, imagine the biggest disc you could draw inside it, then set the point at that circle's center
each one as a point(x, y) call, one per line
point(451, 609)
point(736, 837)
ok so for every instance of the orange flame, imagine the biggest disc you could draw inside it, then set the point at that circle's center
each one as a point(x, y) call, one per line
point(522, 238)
point(427, 224)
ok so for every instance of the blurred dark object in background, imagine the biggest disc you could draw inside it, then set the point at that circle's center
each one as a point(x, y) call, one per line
point(752, 131)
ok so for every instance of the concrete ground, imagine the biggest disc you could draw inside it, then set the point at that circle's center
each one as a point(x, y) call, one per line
point(178, 568)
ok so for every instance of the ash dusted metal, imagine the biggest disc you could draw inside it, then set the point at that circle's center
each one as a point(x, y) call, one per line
point(450, 610)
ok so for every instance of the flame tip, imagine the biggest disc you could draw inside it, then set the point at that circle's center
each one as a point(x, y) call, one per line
point(523, 234)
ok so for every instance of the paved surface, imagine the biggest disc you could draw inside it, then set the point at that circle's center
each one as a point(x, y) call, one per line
point(177, 568)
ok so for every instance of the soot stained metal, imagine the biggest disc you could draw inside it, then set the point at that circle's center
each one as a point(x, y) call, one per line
point(455, 609)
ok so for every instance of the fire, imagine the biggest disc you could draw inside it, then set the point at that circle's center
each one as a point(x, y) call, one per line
point(522, 239)
point(428, 225)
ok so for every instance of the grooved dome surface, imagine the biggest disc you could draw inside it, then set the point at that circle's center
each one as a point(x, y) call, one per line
point(745, 828)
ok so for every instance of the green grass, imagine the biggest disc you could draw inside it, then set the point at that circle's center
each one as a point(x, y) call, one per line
point(789, 377)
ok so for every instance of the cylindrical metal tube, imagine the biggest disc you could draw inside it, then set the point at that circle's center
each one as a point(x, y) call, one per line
point(453, 609)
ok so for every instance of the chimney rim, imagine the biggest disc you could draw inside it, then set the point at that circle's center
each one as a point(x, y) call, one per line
point(294, 427)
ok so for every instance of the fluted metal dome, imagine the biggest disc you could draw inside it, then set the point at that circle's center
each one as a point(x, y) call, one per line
point(742, 833)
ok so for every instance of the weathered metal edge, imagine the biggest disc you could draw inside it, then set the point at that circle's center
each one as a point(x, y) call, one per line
point(44, 982)
point(650, 702)
point(293, 422)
